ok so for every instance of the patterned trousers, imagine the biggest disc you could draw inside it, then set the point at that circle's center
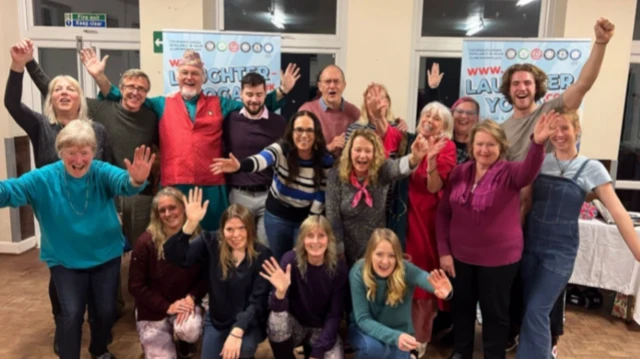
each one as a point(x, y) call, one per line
point(157, 337)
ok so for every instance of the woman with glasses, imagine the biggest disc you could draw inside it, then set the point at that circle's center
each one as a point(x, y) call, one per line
point(301, 164)
point(465, 114)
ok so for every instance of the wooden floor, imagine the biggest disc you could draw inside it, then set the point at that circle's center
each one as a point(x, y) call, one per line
point(26, 327)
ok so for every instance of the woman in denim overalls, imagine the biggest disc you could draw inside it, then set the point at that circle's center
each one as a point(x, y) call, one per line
point(551, 231)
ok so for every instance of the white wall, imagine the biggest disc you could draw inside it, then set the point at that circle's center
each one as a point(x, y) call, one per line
point(604, 104)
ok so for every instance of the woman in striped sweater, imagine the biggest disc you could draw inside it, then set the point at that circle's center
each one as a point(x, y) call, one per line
point(301, 163)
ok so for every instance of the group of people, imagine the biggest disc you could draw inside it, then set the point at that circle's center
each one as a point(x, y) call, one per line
point(297, 224)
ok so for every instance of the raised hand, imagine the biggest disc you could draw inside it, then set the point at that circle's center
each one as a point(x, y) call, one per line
point(604, 30)
point(441, 284)
point(281, 280)
point(435, 145)
point(337, 142)
point(376, 102)
point(195, 210)
point(546, 126)
point(225, 165)
point(141, 167)
point(401, 125)
point(289, 78)
point(434, 76)
point(407, 343)
point(446, 263)
point(92, 63)
point(22, 52)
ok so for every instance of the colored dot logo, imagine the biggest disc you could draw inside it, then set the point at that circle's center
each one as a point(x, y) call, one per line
point(563, 54)
point(523, 54)
point(222, 46)
point(257, 47)
point(245, 47)
point(268, 48)
point(210, 45)
point(233, 46)
point(549, 54)
point(575, 54)
point(536, 54)
point(510, 54)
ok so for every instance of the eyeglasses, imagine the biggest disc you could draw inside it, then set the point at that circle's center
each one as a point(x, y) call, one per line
point(332, 81)
point(299, 131)
point(463, 112)
point(133, 88)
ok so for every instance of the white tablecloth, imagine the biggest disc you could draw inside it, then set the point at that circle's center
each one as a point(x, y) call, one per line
point(604, 261)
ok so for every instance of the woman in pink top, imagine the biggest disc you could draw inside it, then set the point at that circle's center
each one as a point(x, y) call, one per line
point(479, 233)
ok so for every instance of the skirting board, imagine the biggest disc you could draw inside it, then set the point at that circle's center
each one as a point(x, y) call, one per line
point(18, 247)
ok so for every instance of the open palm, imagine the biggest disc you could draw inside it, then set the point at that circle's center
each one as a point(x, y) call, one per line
point(194, 208)
point(289, 77)
point(441, 284)
point(94, 66)
point(22, 52)
point(546, 126)
point(281, 280)
point(225, 165)
point(142, 162)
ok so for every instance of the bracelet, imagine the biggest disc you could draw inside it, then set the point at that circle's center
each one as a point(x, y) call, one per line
point(282, 91)
point(235, 336)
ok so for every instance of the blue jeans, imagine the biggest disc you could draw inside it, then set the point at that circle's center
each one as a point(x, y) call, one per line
point(367, 347)
point(213, 340)
point(281, 234)
point(542, 288)
point(74, 288)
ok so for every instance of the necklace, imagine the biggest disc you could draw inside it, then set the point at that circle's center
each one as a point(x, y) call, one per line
point(86, 199)
point(563, 169)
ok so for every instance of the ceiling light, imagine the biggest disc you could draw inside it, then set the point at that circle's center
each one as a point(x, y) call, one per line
point(523, 2)
point(277, 21)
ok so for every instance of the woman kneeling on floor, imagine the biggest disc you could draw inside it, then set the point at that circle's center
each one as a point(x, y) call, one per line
point(310, 286)
point(166, 295)
point(382, 285)
point(236, 321)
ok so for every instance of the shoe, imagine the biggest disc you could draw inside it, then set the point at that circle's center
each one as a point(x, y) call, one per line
point(186, 350)
point(446, 341)
point(554, 352)
point(512, 343)
point(106, 355)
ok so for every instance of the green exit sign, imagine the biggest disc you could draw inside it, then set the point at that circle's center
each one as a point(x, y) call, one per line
point(79, 19)
point(157, 42)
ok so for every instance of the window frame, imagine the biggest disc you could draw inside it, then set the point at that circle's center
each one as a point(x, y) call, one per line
point(634, 58)
point(37, 33)
point(334, 44)
point(450, 47)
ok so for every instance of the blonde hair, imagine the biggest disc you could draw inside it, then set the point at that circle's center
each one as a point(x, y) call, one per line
point(227, 262)
point(396, 286)
point(156, 227)
point(346, 165)
point(50, 112)
point(134, 73)
point(572, 116)
point(364, 113)
point(441, 111)
point(76, 133)
point(491, 127)
point(330, 255)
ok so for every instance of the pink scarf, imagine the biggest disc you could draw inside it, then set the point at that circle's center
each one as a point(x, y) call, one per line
point(362, 191)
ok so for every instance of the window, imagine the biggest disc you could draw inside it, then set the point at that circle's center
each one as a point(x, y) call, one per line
point(483, 18)
point(636, 29)
point(629, 152)
point(120, 13)
point(286, 16)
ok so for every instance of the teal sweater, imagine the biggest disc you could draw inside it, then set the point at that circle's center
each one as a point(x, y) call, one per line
point(375, 318)
point(71, 236)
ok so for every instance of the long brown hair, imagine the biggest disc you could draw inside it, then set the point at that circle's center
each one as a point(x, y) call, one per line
point(539, 77)
point(290, 150)
point(156, 227)
point(227, 262)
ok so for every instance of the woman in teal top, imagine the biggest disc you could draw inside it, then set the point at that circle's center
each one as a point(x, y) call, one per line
point(81, 235)
point(382, 285)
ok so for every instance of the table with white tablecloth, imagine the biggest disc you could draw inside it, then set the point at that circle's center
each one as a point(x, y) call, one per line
point(604, 261)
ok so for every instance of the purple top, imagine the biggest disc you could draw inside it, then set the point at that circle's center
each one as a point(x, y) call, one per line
point(245, 137)
point(482, 227)
point(316, 301)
